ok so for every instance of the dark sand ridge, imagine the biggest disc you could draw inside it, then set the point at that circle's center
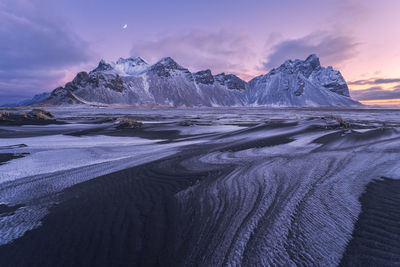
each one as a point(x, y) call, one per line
point(6, 210)
point(376, 236)
point(4, 157)
point(121, 219)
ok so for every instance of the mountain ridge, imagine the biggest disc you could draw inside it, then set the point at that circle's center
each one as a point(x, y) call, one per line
point(133, 81)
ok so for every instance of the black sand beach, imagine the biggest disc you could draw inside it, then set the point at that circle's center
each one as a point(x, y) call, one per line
point(260, 192)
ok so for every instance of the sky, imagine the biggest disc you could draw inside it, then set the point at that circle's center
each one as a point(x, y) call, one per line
point(44, 43)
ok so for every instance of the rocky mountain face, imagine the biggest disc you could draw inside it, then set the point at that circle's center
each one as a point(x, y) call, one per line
point(133, 81)
point(299, 83)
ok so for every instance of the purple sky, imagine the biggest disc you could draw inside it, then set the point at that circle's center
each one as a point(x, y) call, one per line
point(44, 43)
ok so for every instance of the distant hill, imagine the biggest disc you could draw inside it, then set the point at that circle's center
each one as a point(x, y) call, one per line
point(35, 99)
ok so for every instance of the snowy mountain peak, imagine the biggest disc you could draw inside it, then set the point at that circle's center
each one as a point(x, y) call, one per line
point(167, 66)
point(131, 65)
point(313, 60)
point(300, 83)
point(169, 63)
point(123, 66)
point(104, 66)
point(304, 67)
point(133, 61)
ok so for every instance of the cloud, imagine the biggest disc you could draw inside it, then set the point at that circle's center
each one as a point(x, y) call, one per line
point(375, 81)
point(375, 93)
point(220, 51)
point(35, 51)
point(331, 48)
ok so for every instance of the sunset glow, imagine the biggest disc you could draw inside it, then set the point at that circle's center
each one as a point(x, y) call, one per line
point(355, 37)
point(382, 102)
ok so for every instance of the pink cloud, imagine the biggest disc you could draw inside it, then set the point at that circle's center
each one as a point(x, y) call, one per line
point(220, 51)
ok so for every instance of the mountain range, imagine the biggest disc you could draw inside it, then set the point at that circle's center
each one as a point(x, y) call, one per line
point(35, 99)
point(132, 81)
